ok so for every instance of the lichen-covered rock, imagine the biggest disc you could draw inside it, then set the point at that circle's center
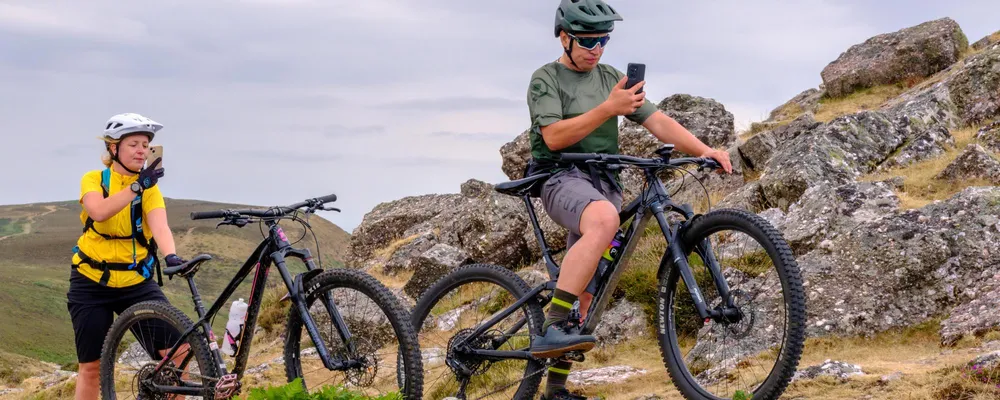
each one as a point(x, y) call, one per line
point(930, 143)
point(974, 163)
point(604, 375)
point(975, 317)
point(388, 221)
point(515, 155)
point(904, 268)
point(986, 42)
point(837, 369)
point(706, 118)
point(827, 211)
point(837, 152)
point(989, 136)
point(758, 149)
point(432, 265)
point(805, 102)
point(915, 52)
point(622, 322)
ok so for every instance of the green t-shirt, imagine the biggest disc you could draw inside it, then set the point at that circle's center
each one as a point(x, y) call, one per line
point(557, 92)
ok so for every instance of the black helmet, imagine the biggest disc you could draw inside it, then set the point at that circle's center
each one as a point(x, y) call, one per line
point(585, 16)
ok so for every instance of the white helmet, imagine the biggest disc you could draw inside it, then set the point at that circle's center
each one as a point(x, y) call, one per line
point(127, 123)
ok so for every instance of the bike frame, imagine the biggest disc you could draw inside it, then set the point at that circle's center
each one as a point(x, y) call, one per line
point(653, 202)
point(272, 250)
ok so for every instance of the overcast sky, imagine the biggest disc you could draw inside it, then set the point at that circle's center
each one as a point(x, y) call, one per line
point(269, 102)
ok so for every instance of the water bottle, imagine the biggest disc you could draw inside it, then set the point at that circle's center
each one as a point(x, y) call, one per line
point(610, 254)
point(234, 328)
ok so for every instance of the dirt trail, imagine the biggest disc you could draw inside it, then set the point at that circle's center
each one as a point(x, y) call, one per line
point(26, 227)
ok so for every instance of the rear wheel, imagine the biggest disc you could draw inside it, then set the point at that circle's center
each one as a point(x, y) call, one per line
point(384, 343)
point(448, 313)
point(755, 354)
point(128, 362)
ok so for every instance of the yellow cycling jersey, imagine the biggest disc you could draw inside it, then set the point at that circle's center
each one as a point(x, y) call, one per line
point(114, 250)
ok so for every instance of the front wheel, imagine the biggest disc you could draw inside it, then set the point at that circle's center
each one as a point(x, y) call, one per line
point(754, 354)
point(129, 363)
point(382, 347)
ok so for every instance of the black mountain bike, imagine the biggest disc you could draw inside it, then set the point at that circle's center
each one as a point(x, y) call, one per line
point(355, 330)
point(730, 318)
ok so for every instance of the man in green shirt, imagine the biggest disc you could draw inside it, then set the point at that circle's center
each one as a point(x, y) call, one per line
point(574, 104)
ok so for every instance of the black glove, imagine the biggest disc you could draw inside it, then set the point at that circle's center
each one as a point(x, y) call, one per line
point(149, 176)
point(173, 260)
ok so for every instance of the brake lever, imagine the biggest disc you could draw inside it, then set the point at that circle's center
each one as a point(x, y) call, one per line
point(330, 209)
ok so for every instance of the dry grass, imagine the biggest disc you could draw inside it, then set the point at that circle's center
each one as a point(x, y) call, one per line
point(864, 99)
point(920, 187)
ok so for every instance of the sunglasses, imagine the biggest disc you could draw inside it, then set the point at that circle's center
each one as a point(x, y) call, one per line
point(591, 43)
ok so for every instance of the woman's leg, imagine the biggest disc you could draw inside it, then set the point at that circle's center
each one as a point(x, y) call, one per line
point(91, 324)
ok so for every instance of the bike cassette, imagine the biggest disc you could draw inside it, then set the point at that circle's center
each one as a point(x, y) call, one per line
point(227, 387)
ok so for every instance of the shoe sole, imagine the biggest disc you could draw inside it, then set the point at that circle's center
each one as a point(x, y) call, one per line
point(552, 353)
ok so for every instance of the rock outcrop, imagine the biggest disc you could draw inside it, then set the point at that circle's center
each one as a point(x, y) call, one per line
point(974, 163)
point(805, 102)
point(989, 136)
point(987, 42)
point(914, 52)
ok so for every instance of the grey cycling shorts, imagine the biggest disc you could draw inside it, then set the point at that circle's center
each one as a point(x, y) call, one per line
point(566, 194)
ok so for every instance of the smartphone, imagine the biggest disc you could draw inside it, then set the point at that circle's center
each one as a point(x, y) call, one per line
point(154, 153)
point(636, 73)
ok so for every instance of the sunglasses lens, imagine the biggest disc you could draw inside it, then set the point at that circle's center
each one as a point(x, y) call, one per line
point(591, 42)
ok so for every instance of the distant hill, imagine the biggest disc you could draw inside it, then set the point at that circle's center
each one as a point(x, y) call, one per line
point(36, 242)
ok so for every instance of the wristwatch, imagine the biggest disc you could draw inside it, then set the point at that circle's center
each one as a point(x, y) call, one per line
point(136, 188)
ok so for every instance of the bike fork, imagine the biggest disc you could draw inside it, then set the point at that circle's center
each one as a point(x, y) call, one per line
point(297, 292)
point(680, 262)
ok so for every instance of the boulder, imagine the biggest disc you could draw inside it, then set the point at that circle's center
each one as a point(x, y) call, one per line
point(515, 155)
point(389, 221)
point(758, 149)
point(807, 101)
point(432, 265)
point(624, 321)
point(930, 143)
point(827, 211)
point(974, 163)
point(967, 93)
point(837, 152)
point(989, 136)
point(911, 53)
point(904, 268)
point(837, 369)
point(977, 316)
point(986, 42)
point(604, 375)
point(706, 118)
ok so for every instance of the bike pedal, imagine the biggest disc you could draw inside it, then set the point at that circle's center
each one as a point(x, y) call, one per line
point(575, 356)
point(226, 387)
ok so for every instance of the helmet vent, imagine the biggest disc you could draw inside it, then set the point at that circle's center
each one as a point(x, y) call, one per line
point(586, 10)
point(600, 7)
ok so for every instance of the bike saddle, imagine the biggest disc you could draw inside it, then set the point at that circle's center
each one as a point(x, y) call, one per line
point(521, 187)
point(188, 267)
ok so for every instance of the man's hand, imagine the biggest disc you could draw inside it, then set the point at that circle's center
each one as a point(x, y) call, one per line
point(722, 157)
point(623, 101)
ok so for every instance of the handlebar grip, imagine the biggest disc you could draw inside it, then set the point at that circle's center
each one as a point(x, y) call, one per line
point(577, 156)
point(196, 215)
point(327, 199)
point(711, 163)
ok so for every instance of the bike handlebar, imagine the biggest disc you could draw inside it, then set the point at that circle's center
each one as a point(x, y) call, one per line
point(704, 162)
point(314, 203)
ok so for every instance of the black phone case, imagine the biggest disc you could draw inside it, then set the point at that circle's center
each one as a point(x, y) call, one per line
point(636, 73)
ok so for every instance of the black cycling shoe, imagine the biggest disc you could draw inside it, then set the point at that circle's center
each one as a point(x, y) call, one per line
point(559, 338)
point(563, 394)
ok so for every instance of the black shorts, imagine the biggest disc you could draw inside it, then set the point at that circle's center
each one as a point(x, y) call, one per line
point(92, 308)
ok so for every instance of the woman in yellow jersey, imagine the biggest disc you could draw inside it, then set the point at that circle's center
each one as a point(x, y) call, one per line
point(125, 222)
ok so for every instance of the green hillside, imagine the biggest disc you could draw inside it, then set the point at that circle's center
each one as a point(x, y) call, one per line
point(36, 242)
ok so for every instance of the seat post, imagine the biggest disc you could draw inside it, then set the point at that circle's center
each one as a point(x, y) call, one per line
point(550, 264)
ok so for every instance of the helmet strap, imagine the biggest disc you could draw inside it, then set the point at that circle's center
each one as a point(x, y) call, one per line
point(114, 158)
point(569, 53)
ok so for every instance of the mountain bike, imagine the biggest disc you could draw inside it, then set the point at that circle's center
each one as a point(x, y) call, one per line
point(727, 323)
point(352, 336)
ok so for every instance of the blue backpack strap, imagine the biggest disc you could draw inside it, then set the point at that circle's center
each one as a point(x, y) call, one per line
point(106, 181)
